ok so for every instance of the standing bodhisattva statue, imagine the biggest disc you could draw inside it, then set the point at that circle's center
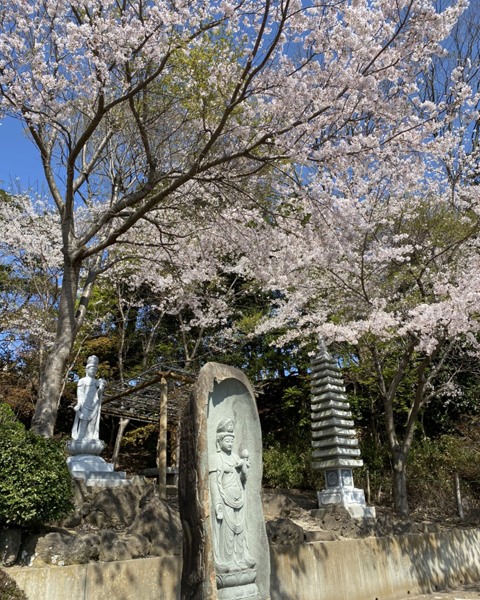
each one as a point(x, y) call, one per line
point(89, 401)
point(228, 476)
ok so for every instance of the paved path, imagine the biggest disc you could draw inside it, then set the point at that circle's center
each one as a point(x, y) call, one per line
point(468, 592)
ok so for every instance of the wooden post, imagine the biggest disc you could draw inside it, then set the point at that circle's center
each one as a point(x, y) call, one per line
point(162, 440)
point(368, 487)
point(458, 495)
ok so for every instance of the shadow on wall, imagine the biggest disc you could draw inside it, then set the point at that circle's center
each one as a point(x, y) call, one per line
point(445, 559)
point(294, 573)
point(134, 580)
point(372, 568)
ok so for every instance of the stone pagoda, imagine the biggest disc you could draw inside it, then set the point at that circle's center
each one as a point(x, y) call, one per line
point(335, 444)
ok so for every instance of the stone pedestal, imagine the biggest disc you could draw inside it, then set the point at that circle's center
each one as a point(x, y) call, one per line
point(341, 491)
point(95, 470)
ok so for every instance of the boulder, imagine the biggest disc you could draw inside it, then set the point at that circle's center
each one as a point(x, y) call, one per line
point(284, 531)
point(138, 545)
point(113, 547)
point(115, 507)
point(10, 541)
point(278, 505)
point(60, 548)
point(336, 518)
point(160, 525)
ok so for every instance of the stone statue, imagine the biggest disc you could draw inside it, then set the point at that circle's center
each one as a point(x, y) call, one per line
point(228, 477)
point(89, 401)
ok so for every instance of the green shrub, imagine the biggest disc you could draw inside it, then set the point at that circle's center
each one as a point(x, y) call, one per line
point(289, 466)
point(35, 483)
point(7, 419)
point(9, 589)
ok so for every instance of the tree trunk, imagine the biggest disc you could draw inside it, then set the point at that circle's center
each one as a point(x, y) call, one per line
point(400, 500)
point(121, 428)
point(51, 379)
point(162, 441)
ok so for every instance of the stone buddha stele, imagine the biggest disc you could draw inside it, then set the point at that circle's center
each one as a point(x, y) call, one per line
point(234, 566)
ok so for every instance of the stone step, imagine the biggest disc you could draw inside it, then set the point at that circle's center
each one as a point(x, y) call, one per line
point(91, 476)
point(114, 479)
point(103, 474)
point(107, 483)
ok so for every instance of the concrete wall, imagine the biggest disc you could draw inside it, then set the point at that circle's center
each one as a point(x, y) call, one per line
point(368, 569)
point(140, 579)
point(375, 568)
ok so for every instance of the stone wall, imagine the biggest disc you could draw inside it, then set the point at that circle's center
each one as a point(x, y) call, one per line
point(109, 524)
point(384, 568)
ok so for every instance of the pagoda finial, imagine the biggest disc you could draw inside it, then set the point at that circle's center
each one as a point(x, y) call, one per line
point(322, 348)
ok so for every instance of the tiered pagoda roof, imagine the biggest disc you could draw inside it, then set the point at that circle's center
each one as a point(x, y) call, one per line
point(334, 438)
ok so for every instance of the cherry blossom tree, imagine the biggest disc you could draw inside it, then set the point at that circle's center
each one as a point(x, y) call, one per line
point(30, 262)
point(389, 266)
point(135, 107)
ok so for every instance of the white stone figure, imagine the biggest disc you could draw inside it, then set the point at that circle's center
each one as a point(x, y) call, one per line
point(228, 476)
point(89, 402)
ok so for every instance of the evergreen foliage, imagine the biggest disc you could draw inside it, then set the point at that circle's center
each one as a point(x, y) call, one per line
point(35, 483)
point(9, 590)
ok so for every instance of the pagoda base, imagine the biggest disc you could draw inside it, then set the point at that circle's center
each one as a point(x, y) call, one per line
point(340, 492)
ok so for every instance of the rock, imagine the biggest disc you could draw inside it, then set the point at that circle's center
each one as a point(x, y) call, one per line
point(402, 528)
point(159, 524)
point(138, 480)
point(113, 547)
point(10, 541)
point(60, 548)
point(321, 536)
point(427, 528)
point(71, 521)
point(277, 505)
point(115, 507)
point(284, 531)
point(138, 545)
point(335, 518)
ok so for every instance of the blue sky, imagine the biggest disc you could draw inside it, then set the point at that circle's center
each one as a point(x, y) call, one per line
point(18, 157)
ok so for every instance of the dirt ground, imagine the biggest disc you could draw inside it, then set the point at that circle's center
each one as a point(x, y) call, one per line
point(468, 592)
point(295, 506)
